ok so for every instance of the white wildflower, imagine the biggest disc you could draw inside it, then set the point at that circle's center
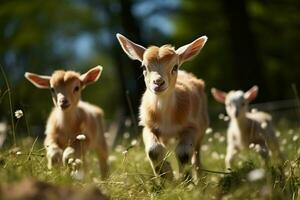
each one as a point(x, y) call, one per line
point(264, 125)
point(291, 131)
point(18, 153)
point(78, 161)
point(112, 158)
point(217, 135)
point(128, 122)
point(133, 142)
point(257, 148)
point(254, 110)
point(221, 138)
point(81, 137)
point(295, 137)
point(256, 174)
point(18, 114)
point(126, 135)
point(204, 147)
point(221, 116)
point(119, 148)
point(215, 155)
point(226, 118)
point(294, 164)
point(208, 131)
point(277, 133)
point(210, 139)
point(214, 179)
point(284, 141)
point(251, 146)
point(240, 163)
point(125, 152)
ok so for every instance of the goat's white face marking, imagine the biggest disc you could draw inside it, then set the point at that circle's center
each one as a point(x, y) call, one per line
point(160, 72)
point(160, 64)
point(235, 103)
point(66, 95)
point(65, 86)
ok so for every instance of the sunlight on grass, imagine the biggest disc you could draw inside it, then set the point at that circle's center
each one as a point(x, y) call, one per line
point(132, 178)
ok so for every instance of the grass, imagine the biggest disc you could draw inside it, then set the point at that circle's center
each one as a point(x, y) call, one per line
point(132, 178)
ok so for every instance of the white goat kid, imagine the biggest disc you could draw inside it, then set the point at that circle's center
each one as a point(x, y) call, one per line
point(174, 104)
point(71, 117)
point(245, 128)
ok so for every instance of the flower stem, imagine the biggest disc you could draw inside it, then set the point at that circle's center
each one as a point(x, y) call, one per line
point(10, 105)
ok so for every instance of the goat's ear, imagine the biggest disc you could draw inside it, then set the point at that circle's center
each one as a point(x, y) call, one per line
point(133, 50)
point(219, 95)
point(251, 94)
point(91, 76)
point(190, 50)
point(39, 81)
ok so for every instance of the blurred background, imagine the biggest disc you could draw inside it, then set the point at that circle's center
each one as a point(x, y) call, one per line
point(249, 42)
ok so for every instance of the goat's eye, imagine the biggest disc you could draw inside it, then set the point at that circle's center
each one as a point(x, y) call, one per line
point(175, 68)
point(76, 89)
point(144, 67)
point(52, 90)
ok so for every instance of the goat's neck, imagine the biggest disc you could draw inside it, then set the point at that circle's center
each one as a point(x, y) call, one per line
point(66, 118)
point(164, 101)
point(241, 121)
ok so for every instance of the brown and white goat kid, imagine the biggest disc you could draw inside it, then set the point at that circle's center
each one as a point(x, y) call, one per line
point(71, 117)
point(174, 104)
point(247, 129)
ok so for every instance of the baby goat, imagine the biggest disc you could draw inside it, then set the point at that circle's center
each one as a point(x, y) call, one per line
point(71, 117)
point(245, 128)
point(174, 104)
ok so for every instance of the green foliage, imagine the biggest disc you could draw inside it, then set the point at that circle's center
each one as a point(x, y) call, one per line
point(132, 178)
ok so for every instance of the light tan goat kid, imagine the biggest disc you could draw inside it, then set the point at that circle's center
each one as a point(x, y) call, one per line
point(174, 104)
point(245, 128)
point(71, 117)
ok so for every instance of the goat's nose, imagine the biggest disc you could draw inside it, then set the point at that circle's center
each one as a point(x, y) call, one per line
point(158, 81)
point(63, 101)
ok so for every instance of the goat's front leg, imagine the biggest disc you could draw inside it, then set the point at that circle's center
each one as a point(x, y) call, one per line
point(73, 157)
point(101, 148)
point(53, 152)
point(196, 158)
point(156, 154)
point(230, 155)
point(184, 153)
point(102, 153)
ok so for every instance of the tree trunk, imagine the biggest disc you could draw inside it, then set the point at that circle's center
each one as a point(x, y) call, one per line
point(247, 63)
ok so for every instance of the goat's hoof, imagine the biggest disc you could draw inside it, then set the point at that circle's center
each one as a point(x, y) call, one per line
point(67, 154)
point(54, 156)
